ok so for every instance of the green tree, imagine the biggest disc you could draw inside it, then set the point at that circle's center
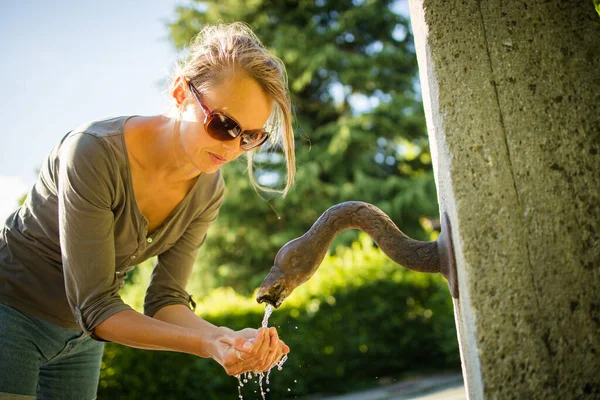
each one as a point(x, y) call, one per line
point(360, 130)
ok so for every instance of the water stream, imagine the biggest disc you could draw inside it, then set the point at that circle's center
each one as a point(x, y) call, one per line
point(247, 376)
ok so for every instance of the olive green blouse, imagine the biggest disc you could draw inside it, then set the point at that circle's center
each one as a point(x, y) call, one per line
point(65, 253)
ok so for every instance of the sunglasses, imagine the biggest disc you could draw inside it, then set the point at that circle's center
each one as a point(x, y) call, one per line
point(222, 127)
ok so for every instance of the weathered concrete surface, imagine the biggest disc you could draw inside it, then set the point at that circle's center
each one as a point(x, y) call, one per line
point(512, 95)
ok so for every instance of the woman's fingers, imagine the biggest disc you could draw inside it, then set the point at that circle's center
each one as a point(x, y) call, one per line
point(274, 337)
point(265, 352)
point(240, 343)
point(274, 349)
point(261, 343)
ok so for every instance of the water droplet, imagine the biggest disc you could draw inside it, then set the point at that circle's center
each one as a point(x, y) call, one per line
point(289, 390)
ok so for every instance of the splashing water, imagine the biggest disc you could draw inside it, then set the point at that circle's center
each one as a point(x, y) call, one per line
point(260, 379)
point(243, 378)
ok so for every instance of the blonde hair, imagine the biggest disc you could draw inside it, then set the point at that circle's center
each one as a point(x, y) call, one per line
point(220, 49)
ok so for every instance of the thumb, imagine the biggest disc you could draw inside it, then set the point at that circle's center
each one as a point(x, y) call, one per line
point(238, 342)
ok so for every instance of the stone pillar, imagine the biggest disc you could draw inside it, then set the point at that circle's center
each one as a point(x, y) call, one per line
point(511, 91)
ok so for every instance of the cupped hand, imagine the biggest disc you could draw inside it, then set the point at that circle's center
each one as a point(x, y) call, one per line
point(249, 350)
point(272, 349)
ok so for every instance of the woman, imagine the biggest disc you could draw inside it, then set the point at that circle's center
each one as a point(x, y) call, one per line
point(117, 191)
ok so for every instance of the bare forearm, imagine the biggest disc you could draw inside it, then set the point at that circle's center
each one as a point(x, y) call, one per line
point(133, 329)
point(181, 315)
point(177, 328)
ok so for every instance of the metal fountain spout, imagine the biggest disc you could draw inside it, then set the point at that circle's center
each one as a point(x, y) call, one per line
point(300, 258)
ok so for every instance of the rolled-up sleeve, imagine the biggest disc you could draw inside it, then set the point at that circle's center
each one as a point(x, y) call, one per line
point(86, 190)
point(174, 267)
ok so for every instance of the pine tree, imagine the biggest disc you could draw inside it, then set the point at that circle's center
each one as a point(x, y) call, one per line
point(360, 129)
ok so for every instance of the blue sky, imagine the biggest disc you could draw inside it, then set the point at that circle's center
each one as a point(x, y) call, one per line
point(70, 61)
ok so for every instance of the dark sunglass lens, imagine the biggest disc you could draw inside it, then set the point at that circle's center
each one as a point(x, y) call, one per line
point(222, 127)
point(253, 139)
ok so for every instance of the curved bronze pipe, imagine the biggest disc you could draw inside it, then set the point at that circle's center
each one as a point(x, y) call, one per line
point(300, 258)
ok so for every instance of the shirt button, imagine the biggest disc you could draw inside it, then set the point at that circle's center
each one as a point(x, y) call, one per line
point(133, 257)
point(149, 240)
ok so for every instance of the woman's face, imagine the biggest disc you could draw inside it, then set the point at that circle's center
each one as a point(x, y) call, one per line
point(240, 97)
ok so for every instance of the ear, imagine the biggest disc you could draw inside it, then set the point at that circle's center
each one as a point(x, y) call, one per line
point(178, 91)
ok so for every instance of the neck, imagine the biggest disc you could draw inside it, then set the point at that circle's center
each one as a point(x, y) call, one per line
point(154, 145)
point(412, 254)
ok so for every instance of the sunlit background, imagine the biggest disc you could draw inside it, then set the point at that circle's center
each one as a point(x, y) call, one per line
point(67, 62)
point(362, 320)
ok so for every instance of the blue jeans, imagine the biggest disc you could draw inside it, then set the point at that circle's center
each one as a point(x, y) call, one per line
point(41, 360)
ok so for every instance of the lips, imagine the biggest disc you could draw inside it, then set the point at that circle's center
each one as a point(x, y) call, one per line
point(217, 159)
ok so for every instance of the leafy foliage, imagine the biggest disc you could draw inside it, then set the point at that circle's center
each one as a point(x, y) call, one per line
point(360, 130)
point(360, 319)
